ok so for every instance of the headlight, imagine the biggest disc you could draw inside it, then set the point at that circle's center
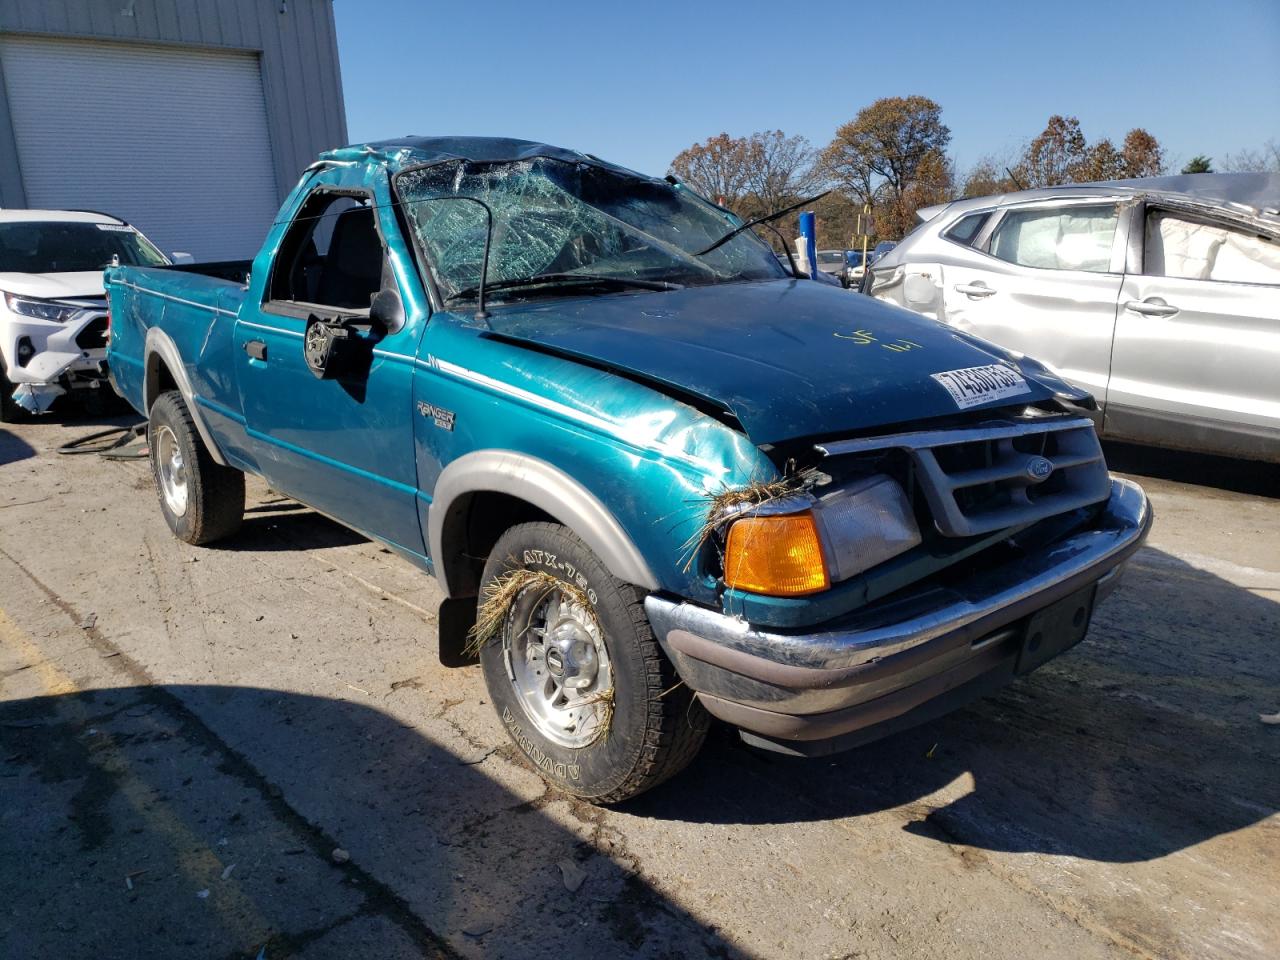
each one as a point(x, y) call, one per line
point(40, 309)
point(844, 533)
point(865, 524)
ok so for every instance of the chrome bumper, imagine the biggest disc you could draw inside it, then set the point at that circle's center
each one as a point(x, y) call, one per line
point(874, 665)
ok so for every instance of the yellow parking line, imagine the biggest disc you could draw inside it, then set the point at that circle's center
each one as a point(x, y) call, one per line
point(195, 860)
point(52, 680)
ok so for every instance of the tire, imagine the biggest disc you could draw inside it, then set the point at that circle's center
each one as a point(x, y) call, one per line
point(654, 726)
point(211, 505)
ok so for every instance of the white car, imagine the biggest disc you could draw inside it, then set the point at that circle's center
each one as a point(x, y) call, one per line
point(53, 313)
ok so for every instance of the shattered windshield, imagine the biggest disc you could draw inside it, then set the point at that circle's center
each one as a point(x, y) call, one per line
point(555, 217)
point(58, 246)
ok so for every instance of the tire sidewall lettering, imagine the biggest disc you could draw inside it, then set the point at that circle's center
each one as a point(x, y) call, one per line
point(536, 755)
point(562, 569)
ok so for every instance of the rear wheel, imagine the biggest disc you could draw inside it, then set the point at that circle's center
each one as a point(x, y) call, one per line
point(574, 671)
point(201, 500)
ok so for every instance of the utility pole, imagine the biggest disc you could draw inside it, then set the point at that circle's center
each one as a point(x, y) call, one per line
point(864, 227)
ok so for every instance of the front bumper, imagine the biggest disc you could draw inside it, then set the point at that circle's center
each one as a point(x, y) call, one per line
point(77, 346)
point(884, 668)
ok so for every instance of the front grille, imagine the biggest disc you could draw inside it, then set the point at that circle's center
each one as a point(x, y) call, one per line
point(977, 480)
point(94, 335)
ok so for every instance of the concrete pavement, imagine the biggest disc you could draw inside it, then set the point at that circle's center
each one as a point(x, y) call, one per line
point(187, 735)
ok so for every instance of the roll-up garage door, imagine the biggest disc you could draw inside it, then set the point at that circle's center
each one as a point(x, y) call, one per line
point(172, 139)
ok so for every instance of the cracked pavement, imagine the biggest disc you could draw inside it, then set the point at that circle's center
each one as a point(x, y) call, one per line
point(187, 735)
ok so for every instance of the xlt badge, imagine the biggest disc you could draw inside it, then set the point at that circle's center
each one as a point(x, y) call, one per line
point(443, 418)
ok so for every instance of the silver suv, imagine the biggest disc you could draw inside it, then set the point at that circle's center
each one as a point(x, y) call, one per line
point(1160, 296)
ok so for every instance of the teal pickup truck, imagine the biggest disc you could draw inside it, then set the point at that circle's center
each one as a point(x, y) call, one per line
point(657, 475)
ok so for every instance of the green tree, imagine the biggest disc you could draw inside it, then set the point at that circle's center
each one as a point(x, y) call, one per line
point(1199, 164)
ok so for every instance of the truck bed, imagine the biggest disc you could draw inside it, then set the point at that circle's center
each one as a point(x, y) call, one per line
point(234, 270)
point(191, 309)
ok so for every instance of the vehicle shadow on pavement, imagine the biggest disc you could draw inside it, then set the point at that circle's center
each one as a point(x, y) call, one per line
point(142, 833)
point(1141, 742)
point(13, 448)
point(287, 526)
point(1202, 469)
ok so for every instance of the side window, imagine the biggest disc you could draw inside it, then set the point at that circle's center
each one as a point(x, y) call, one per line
point(1061, 238)
point(964, 230)
point(1178, 247)
point(331, 255)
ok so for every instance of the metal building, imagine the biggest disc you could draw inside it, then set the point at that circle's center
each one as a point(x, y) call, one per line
point(190, 118)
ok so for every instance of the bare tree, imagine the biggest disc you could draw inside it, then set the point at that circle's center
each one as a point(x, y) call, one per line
point(749, 175)
point(719, 168)
point(780, 169)
point(1263, 160)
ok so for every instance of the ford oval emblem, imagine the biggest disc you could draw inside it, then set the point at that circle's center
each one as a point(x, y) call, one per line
point(1038, 469)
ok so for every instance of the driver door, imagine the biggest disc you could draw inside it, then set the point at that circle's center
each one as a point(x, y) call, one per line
point(342, 444)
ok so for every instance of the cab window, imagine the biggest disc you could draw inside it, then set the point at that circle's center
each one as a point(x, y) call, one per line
point(1191, 250)
point(331, 255)
point(1060, 238)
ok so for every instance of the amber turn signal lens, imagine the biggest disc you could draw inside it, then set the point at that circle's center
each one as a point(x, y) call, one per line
point(777, 555)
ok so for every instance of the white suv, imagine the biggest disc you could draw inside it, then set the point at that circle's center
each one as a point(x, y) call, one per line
point(53, 314)
point(1161, 297)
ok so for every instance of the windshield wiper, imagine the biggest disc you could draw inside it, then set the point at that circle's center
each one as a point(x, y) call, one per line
point(563, 278)
point(758, 220)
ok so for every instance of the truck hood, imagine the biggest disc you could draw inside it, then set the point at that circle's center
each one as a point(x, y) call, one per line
point(54, 286)
point(788, 358)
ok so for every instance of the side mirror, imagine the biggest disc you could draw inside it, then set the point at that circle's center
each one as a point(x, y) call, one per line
point(386, 310)
point(326, 344)
point(178, 256)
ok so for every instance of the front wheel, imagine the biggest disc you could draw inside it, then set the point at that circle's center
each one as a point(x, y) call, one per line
point(574, 671)
point(201, 500)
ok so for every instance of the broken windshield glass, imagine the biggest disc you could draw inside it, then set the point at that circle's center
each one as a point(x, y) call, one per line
point(554, 217)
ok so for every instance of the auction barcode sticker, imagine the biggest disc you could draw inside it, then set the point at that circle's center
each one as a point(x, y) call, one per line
point(974, 385)
point(115, 227)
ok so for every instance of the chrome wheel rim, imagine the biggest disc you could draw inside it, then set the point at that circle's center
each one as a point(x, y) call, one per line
point(558, 665)
point(171, 471)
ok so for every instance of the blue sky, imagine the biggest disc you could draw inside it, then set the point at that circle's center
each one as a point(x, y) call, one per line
point(637, 82)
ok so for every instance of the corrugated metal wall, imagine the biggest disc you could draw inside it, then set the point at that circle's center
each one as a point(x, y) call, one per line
point(215, 202)
point(295, 39)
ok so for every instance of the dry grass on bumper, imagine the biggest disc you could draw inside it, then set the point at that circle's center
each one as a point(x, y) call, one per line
point(738, 500)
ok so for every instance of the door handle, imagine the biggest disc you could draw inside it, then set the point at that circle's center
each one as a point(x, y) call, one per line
point(256, 349)
point(1151, 307)
point(978, 289)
